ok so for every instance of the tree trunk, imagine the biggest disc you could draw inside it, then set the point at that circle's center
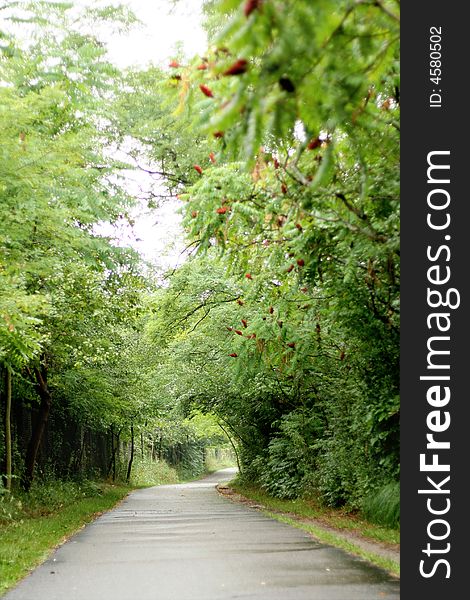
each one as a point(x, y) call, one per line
point(131, 459)
point(111, 459)
point(114, 451)
point(3, 467)
point(233, 446)
point(39, 426)
point(79, 456)
point(8, 463)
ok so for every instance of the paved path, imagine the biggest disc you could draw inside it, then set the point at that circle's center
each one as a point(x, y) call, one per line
point(185, 542)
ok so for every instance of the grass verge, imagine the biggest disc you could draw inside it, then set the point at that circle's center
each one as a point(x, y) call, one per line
point(27, 542)
point(332, 526)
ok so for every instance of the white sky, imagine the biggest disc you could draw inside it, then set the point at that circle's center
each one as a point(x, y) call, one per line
point(157, 235)
point(164, 26)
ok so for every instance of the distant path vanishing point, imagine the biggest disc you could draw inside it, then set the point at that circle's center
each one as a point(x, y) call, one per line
point(185, 542)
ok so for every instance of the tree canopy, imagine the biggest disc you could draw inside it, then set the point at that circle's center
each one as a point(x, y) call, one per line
point(281, 144)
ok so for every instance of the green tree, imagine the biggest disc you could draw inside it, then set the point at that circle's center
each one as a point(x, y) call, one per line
point(306, 240)
point(58, 181)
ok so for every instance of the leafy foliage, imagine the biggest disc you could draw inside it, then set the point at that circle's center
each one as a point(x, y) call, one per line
point(70, 299)
point(289, 311)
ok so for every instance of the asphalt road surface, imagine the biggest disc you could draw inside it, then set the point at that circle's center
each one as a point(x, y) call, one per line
point(185, 542)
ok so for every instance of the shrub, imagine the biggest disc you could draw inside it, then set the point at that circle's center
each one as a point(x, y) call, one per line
point(147, 472)
point(290, 457)
point(10, 507)
point(45, 497)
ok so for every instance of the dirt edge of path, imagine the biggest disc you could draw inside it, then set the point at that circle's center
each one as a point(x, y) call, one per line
point(382, 549)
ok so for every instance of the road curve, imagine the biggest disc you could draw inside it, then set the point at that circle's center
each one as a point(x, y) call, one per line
point(185, 542)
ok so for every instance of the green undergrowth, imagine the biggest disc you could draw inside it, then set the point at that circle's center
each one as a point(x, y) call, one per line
point(213, 463)
point(146, 473)
point(383, 506)
point(299, 511)
point(31, 525)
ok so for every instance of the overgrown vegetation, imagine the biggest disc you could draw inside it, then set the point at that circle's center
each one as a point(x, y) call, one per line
point(383, 507)
point(288, 309)
point(77, 368)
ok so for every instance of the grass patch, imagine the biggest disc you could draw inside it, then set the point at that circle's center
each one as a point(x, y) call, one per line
point(146, 473)
point(289, 511)
point(383, 507)
point(29, 531)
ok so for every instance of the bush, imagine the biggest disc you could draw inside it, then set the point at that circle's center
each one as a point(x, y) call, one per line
point(46, 496)
point(283, 473)
point(290, 457)
point(10, 507)
point(146, 472)
point(383, 506)
point(50, 494)
point(343, 471)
